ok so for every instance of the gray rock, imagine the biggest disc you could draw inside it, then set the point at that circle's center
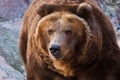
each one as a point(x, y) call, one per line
point(2, 19)
point(9, 38)
point(9, 73)
point(11, 9)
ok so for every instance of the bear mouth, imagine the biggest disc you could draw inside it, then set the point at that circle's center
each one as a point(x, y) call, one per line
point(62, 55)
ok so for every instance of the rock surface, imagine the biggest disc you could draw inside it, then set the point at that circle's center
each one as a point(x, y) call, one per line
point(9, 38)
point(11, 9)
point(9, 73)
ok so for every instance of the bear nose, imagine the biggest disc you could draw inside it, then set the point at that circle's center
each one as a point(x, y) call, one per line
point(55, 51)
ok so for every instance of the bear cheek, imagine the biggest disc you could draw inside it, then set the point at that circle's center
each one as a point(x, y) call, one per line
point(69, 45)
point(47, 39)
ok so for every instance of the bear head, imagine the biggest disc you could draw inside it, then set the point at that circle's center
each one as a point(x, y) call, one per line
point(67, 35)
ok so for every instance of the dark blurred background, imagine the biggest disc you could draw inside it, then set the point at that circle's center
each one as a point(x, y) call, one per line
point(11, 13)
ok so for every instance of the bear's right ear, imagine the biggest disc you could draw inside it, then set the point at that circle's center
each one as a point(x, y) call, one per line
point(44, 9)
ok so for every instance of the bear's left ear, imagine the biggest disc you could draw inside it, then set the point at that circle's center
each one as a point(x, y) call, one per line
point(85, 10)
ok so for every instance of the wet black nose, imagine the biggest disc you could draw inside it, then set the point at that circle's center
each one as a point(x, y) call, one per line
point(55, 51)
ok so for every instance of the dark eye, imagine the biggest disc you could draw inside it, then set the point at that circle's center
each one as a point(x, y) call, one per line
point(50, 32)
point(68, 32)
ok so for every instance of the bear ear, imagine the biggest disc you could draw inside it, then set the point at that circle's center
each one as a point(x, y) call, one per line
point(85, 11)
point(44, 9)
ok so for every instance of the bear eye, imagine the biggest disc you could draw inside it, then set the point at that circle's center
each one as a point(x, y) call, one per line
point(68, 32)
point(50, 32)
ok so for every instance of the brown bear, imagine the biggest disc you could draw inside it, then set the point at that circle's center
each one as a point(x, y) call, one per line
point(69, 40)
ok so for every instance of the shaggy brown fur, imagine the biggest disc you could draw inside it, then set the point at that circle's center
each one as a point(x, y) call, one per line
point(85, 35)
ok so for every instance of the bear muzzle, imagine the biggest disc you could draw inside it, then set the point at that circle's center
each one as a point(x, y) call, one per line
point(55, 51)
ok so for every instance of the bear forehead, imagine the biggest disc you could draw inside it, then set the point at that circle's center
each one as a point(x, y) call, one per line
point(69, 21)
point(61, 16)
